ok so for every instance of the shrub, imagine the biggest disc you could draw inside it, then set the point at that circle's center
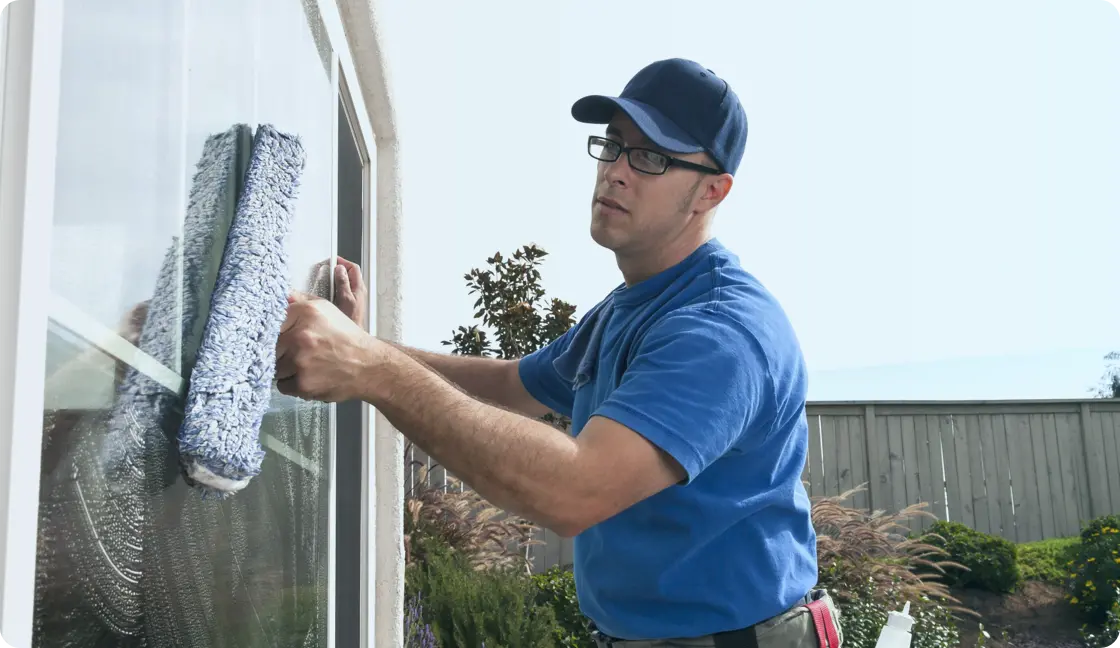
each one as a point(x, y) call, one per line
point(557, 589)
point(989, 563)
point(462, 520)
point(865, 613)
point(1095, 573)
point(469, 607)
point(1099, 525)
point(1047, 560)
point(1106, 636)
point(871, 566)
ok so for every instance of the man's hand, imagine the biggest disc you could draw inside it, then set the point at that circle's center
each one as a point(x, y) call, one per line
point(322, 354)
point(350, 292)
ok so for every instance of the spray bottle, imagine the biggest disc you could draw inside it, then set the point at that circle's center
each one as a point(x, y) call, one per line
point(896, 634)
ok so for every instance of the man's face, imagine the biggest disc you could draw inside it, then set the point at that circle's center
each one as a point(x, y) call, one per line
point(633, 211)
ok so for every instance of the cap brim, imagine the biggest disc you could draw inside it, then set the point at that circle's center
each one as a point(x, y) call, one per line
point(599, 109)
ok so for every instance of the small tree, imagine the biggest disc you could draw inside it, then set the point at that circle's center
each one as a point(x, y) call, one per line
point(1110, 382)
point(512, 307)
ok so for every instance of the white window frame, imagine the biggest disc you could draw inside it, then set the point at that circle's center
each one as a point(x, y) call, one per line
point(27, 159)
point(30, 77)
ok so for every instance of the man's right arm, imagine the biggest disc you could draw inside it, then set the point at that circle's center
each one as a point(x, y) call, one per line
point(488, 379)
point(492, 380)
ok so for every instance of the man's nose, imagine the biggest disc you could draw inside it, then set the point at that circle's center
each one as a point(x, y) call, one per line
point(619, 171)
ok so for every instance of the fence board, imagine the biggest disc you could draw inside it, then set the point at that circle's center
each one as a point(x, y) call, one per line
point(991, 474)
point(567, 553)
point(1060, 493)
point(918, 464)
point(953, 499)
point(935, 476)
point(828, 454)
point(1112, 458)
point(1073, 474)
point(816, 479)
point(1042, 480)
point(1028, 516)
point(857, 459)
point(897, 480)
point(909, 465)
point(1003, 478)
point(879, 461)
point(961, 443)
point(844, 466)
point(976, 473)
point(1097, 475)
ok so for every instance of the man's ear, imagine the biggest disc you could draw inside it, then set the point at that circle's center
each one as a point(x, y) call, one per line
point(717, 189)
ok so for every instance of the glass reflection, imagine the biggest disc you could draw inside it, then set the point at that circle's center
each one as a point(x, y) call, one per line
point(156, 109)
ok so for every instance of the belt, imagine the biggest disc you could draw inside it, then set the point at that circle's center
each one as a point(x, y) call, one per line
point(827, 636)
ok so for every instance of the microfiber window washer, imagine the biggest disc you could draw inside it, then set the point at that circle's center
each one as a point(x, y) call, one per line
point(231, 383)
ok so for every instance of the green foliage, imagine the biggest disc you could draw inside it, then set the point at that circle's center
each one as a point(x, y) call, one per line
point(557, 589)
point(1103, 525)
point(1109, 386)
point(991, 563)
point(1046, 560)
point(468, 607)
point(864, 614)
point(1094, 573)
point(512, 307)
point(1104, 637)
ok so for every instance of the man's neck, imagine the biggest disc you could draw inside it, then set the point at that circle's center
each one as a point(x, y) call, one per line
point(636, 269)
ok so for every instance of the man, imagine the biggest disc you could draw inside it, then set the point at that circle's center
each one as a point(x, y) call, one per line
point(680, 481)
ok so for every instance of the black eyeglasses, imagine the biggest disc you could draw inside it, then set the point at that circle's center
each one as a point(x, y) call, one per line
point(640, 159)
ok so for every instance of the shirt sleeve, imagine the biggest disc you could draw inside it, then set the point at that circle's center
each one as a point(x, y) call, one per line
point(697, 381)
point(541, 379)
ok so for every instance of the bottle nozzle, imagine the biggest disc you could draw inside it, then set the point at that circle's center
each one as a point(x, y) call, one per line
point(906, 608)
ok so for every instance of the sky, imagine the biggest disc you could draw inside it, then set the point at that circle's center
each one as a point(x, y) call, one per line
point(929, 189)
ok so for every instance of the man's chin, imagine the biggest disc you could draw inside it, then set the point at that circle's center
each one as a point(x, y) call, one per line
point(604, 236)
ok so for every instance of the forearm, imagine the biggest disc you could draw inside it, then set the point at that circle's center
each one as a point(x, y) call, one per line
point(488, 379)
point(518, 464)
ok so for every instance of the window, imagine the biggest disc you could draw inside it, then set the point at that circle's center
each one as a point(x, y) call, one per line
point(126, 553)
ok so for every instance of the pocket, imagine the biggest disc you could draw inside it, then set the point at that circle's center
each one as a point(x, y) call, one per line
point(791, 629)
point(795, 628)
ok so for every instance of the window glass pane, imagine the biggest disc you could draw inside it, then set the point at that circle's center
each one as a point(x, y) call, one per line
point(128, 554)
point(294, 94)
point(120, 171)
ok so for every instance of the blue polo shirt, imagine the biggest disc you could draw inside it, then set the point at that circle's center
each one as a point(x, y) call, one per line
point(702, 361)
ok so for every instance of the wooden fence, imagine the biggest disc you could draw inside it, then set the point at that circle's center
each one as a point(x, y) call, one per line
point(1023, 470)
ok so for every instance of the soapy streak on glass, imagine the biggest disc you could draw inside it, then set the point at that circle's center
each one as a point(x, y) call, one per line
point(130, 556)
point(109, 341)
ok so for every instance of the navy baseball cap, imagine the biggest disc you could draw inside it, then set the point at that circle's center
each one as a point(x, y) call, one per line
point(682, 107)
